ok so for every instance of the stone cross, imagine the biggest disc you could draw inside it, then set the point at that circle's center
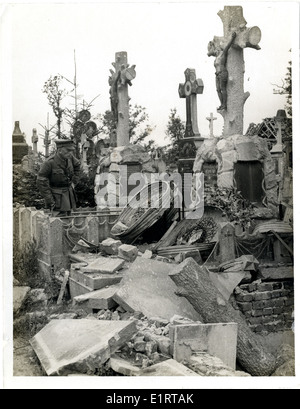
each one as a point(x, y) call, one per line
point(211, 120)
point(34, 140)
point(233, 22)
point(189, 91)
point(119, 81)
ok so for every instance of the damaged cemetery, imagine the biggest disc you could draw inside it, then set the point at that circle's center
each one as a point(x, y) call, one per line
point(163, 278)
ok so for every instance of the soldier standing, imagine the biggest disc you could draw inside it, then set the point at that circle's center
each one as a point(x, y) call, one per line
point(57, 178)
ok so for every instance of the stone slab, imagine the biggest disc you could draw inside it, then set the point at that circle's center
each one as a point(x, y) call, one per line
point(170, 367)
point(208, 365)
point(147, 287)
point(66, 346)
point(95, 281)
point(104, 265)
point(123, 367)
point(276, 273)
point(227, 282)
point(99, 299)
point(218, 339)
point(19, 296)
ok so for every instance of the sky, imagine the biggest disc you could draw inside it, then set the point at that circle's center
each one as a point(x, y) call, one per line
point(161, 38)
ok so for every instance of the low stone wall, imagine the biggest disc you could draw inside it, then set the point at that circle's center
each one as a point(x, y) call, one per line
point(55, 237)
point(267, 306)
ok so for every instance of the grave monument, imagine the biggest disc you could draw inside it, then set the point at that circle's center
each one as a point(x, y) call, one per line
point(243, 162)
point(20, 147)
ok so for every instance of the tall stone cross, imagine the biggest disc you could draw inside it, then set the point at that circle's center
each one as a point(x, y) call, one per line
point(119, 81)
point(211, 120)
point(229, 53)
point(189, 91)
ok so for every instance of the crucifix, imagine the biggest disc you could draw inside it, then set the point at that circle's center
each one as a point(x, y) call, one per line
point(230, 66)
point(211, 120)
point(119, 99)
point(189, 91)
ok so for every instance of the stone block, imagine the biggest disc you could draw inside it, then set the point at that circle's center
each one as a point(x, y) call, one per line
point(20, 295)
point(110, 246)
point(123, 367)
point(66, 346)
point(147, 254)
point(257, 313)
point(244, 306)
point(244, 297)
point(94, 281)
point(147, 287)
point(128, 252)
point(289, 302)
point(99, 299)
point(267, 311)
point(247, 151)
point(205, 364)
point(219, 340)
point(170, 367)
point(228, 160)
point(104, 265)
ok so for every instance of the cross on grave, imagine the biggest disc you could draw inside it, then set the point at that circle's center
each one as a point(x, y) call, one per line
point(211, 119)
point(189, 91)
point(34, 140)
point(230, 66)
point(119, 81)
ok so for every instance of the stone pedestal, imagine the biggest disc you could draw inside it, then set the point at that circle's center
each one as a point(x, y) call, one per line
point(20, 147)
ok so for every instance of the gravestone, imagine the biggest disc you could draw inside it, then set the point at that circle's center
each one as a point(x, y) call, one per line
point(34, 140)
point(226, 242)
point(210, 170)
point(192, 139)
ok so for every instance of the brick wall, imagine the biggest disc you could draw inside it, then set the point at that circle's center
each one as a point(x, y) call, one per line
point(267, 306)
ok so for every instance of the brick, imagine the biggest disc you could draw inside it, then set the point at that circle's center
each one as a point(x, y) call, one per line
point(267, 311)
point(277, 286)
point(268, 319)
point(255, 320)
point(258, 305)
point(276, 293)
point(289, 302)
point(252, 287)
point(258, 328)
point(265, 287)
point(288, 308)
point(270, 327)
point(288, 285)
point(245, 306)
point(244, 287)
point(248, 314)
point(278, 302)
point(278, 310)
point(257, 313)
point(244, 297)
point(262, 296)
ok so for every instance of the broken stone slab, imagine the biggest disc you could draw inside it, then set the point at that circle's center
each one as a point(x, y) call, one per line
point(170, 367)
point(93, 281)
point(205, 364)
point(227, 282)
point(128, 252)
point(66, 346)
point(147, 254)
point(123, 367)
point(104, 265)
point(276, 273)
point(20, 295)
point(99, 300)
point(219, 340)
point(146, 287)
point(110, 246)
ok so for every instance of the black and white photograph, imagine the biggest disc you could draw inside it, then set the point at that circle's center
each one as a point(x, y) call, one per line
point(149, 197)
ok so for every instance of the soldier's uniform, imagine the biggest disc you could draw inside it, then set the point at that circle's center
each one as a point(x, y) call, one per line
point(56, 180)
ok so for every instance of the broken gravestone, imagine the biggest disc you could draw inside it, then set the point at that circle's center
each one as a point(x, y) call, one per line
point(219, 340)
point(146, 287)
point(98, 300)
point(66, 346)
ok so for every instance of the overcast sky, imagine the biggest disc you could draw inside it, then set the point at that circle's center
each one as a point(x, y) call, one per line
point(162, 39)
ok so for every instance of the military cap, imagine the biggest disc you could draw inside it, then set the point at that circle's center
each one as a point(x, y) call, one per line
point(64, 143)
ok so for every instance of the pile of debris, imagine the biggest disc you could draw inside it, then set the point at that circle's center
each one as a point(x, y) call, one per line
point(125, 312)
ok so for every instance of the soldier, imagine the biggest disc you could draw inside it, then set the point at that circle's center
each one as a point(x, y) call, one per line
point(57, 178)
